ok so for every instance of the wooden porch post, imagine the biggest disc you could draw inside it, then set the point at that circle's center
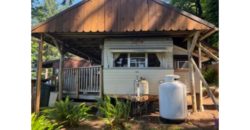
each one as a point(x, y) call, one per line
point(191, 46)
point(200, 100)
point(61, 75)
point(101, 82)
point(205, 84)
point(39, 72)
point(61, 66)
point(101, 71)
point(191, 75)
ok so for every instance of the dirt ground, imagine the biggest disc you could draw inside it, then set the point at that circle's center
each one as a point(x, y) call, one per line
point(205, 120)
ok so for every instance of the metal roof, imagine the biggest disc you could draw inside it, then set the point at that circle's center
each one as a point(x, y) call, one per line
point(122, 16)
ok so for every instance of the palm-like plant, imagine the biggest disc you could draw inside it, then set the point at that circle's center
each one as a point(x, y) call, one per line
point(67, 113)
point(41, 123)
point(113, 114)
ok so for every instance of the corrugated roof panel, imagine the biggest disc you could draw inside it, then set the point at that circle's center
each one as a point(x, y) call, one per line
point(121, 16)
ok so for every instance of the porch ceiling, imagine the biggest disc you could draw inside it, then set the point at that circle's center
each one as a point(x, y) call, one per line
point(87, 45)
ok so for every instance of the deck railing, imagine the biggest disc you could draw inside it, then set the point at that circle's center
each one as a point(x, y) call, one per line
point(83, 80)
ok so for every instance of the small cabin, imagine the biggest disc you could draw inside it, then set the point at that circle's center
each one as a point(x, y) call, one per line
point(128, 41)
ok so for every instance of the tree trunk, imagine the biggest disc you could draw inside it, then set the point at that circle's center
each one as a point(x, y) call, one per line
point(198, 8)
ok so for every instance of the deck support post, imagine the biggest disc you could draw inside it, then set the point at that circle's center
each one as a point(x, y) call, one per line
point(200, 100)
point(39, 76)
point(101, 72)
point(100, 82)
point(192, 83)
point(61, 65)
point(205, 84)
point(61, 73)
point(191, 46)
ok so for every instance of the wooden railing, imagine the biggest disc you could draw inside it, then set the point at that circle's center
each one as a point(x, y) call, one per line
point(82, 80)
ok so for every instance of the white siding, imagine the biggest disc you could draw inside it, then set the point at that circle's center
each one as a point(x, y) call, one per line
point(185, 78)
point(184, 74)
point(121, 80)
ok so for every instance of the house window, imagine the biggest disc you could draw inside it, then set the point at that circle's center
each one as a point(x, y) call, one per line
point(137, 60)
point(181, 64)
point(153, 60)
point(180, 61)
point(120, 59)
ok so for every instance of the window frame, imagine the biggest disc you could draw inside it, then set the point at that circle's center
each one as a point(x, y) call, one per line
point(177, 65)
point(129, 60)
point(145, 58)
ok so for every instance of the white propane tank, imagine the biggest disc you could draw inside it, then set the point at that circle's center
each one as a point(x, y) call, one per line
point(172, 98)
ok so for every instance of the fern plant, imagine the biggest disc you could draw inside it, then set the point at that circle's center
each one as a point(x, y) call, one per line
point(67, 113)
point(113, 114)
point(42, 123)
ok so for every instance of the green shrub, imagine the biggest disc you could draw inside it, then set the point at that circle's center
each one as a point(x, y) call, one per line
point(67, 113)
point(114, 114)
point(41, 123)
point(211, 76)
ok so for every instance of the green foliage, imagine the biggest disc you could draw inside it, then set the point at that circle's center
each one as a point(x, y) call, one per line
point(67, 113)
point(41, 123)
point(211, 76)
point(114, 114)
point(212, 11)
point(175, 127)
point(212, 15)
point(195, 7)
point(41, 11)
point(209, 11)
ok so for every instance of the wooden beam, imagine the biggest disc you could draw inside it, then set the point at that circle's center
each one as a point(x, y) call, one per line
point(191, 75)
point(206, 84)
point(61, 65)
point(82, 54)
point(39, 72)
point(201, 108)
point(188, 37)
point(194, 41)
point(61, 75)
point(208, 34)
point(54, 41)
point(209, 53)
